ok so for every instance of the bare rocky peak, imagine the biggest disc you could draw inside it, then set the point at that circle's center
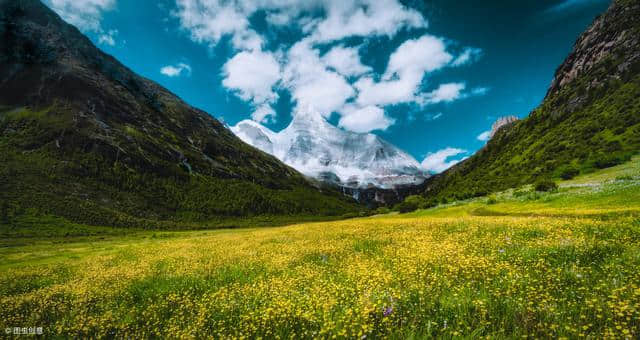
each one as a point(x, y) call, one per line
point(613, 35)
point(502, 122)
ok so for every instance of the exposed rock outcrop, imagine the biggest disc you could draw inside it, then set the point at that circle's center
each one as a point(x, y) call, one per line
point(613, 35)
point(500, 123)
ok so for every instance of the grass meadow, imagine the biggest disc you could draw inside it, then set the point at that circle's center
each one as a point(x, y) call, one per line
point(523, 264)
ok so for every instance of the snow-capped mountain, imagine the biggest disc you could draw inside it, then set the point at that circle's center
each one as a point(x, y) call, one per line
point(318, 149)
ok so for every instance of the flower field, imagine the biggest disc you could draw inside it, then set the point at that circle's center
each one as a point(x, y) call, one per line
point(563, 264)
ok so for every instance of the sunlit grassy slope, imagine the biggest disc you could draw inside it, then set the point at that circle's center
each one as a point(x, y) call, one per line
point(530, 264)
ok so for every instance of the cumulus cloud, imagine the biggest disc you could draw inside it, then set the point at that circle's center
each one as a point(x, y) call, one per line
point(264, 113)
point(364, 18)
point(253, 75)
point(312, 85)
point(405, 71)
point(174, 71)
point(444, 93)
point(484, 136)
point(345, 61)
point(365, 119)
point(210, 20)
point(425, 54)
point(335, 80)
point(438, 161)
point(84, 14)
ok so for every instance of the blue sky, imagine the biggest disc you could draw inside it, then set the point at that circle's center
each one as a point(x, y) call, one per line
point(428, 76)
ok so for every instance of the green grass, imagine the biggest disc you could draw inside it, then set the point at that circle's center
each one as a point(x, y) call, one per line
point(542, 265)
point(614, 190)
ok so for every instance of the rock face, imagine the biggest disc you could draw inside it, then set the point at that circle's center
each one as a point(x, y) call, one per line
point(320, 150)
point(613, 35)
point(500, 123)
point(77, 122)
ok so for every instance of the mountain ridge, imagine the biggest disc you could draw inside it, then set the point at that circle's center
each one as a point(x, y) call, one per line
point(85, 138)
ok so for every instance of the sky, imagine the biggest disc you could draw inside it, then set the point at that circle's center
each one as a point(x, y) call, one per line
point(428, 76)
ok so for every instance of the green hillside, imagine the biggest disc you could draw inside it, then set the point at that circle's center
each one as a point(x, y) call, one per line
point(84, 138)
point(589, 119)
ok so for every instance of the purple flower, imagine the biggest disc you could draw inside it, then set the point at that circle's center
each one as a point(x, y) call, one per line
point(387, 311)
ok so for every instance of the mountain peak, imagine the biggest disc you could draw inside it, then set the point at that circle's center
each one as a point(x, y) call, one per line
point(316, 148)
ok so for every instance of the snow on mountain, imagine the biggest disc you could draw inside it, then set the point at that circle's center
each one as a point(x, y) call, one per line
point(318, 149)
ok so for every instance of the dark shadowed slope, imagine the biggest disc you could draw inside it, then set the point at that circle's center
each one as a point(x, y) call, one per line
point(83, 137)
point(589, 119)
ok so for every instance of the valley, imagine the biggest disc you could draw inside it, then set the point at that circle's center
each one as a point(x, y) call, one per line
point(559, 264)
point(125, 212)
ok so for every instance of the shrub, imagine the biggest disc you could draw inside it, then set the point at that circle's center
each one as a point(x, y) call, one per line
point(418, 200)
point(4, 213)
point(568, 172)
point(350, 215)
point(520, 193)
point(546, 185)
point(492, 199)
point(406, 206)
point(382, 211)
point(429, 204)
point(603, 161)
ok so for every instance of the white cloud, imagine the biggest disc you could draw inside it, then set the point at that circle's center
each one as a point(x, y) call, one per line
point(312, 85)
point(84, 14)
point(264, 113)
point(336, 81)
point(438, 161)
point(484, 136)
point(469, 55)
point(345, 61)
point(425, 54)
point(444, 93)
point(479, 91)
point(403, 76)
point(365, 119)
point(253, 75)
point(108, 38)
point(449, 92)
point(174, 71)
point(364, 18)
point(210, 20)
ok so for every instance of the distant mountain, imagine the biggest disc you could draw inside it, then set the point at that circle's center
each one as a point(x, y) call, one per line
point(83, 137)
point(590, 117)
point(318, 149)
